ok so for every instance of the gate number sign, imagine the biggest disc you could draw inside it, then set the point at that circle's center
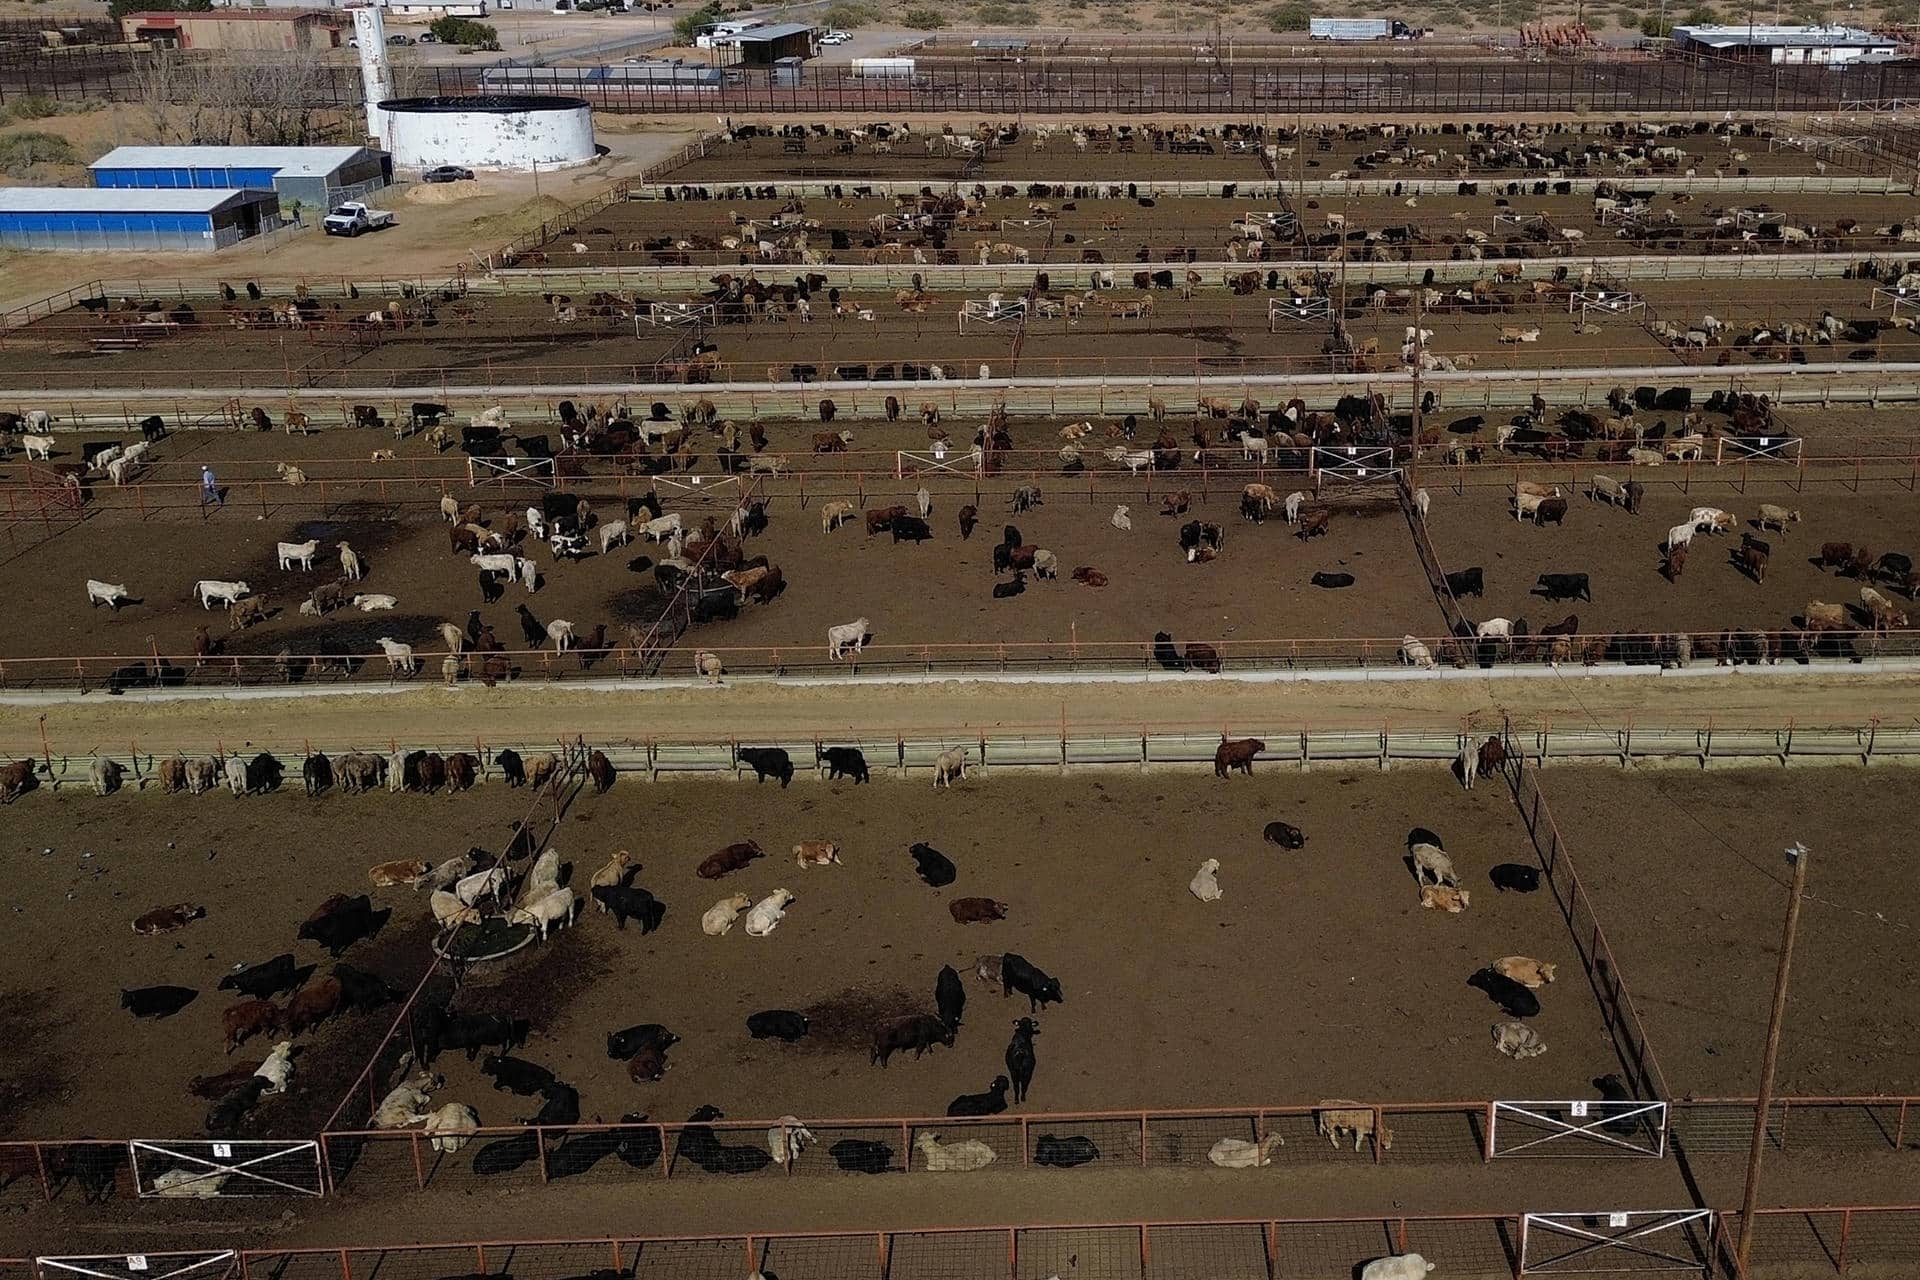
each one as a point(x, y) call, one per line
point(1579, 1111)
point(136, 1262)
point(224, 1150)
point(1616, 1220)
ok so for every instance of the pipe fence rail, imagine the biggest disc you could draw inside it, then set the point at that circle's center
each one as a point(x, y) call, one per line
point(639, 654)
point(1490, 1246)
point(1335, 84)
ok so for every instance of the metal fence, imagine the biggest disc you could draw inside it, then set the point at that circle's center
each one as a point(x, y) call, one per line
point(1830, 1240)
point(1617, 1011)
point(1337, 84)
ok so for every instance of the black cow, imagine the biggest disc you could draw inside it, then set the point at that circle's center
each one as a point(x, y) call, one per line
point(1466, 582)
point(861, 1155)
point(157, 1002)
point(561, 1104)
point(777, 1024)
point(1513, 998)
point(362, 990)
point(153, 427)
point(913, 527)
point(1515, 876)
point(918, 1032)
point(848, 762)
point(469, 1031)
point(1550, 511)
point(342, 921)
point(511, 767)
point(1166, 654)
point(268, 978)
point(622, 1045)
point(1612, 1089)
point(1033, 983)
point(934, 867)
point(316, 771)
point(767, 762)
point(1064, 1153)
point(1020, 1057)
point(1564, 586)
point(699, 1144)
point(628, 903)
point(1332, 581)
point(516, 1075)
point(1284, 834)
point(990, 1103)
point(949, 997)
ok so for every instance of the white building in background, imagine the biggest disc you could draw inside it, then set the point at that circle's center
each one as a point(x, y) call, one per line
point(1829, 46)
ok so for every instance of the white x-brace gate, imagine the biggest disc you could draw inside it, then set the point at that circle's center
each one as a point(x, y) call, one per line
point(1580, 1127)
point(485, 470)
point(1298, 311)
point(1759, 448)
point(201, 1264)
point(963, 463)
point(1354, 463)
point(253, 1167)
point(1610, 1243)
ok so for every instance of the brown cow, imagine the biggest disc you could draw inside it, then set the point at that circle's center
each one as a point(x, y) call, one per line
point(1752, 561)
point(648, 1065)
point(1492, 756)
point(1089, 575)
point(1236, 753)
point(173, 774)
point(1204, 657)
point(881, 519)
point(542, 769)
point(969, 517)
point(1315, 524)
point(731, 858)
point(1835, 555)
point(976, 910)
point(312, 1005)
point(433, 772)
point(771, 584)
point(167, 919)
point(247, 1019)
point(461, 769)
point(600, 769)
point(1675, 563)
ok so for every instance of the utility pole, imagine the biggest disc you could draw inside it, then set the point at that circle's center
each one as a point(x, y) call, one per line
point(1799, 856)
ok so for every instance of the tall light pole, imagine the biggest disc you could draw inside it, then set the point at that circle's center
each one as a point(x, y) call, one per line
point(1799, 856)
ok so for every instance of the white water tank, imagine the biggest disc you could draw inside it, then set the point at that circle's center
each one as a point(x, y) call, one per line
point(496, 131)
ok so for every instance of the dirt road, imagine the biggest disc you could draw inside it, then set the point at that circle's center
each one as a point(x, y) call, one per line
point(534, 712)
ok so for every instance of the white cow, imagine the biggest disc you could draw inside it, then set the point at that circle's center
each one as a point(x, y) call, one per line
point(236, 770)
point(349, 563)
point(529, 574)
point(767, 913)
point(1681, 535)
point(1494, 629)
point(451, 1126)
point(40, 447)
point(787, 1139)
point(1431, 860)
point(368, 604)
point(560, 631)
point(278, 1068)
point(399, 656)
point(506, 564)
point(1205, 884)
point(847, 636)
point(1292, 504)
point(555, 909)
point(113, 594)
point(1399, 1266)
point(211, 589)
point(1421, 501)
point(611, 533)
point(661, 529)
point(300, 553)
point(536, 523)
point(1415, 653)
point(470, 889)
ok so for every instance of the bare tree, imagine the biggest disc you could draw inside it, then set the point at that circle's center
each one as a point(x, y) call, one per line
point(272, 99)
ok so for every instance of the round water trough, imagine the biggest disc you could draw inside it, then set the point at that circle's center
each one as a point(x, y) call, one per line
point(493, 131)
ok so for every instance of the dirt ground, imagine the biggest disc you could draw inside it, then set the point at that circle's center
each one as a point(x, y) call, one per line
point(1622, 554)
point(84, 872)
point(518, 338)
point(1700, 960)
point(915, 594)
point(1374, 1004)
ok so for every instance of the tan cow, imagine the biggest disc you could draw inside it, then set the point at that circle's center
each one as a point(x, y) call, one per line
point(1525, 970)
point(1336, 1117)
point(816, 853)
point(411, 872)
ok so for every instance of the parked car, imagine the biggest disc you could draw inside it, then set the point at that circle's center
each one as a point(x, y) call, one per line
point(447, 173)
point(429, 38)
point(836, 37)
point(399, 40)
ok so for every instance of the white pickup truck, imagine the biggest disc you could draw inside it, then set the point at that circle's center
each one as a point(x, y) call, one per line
point(352, 218)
